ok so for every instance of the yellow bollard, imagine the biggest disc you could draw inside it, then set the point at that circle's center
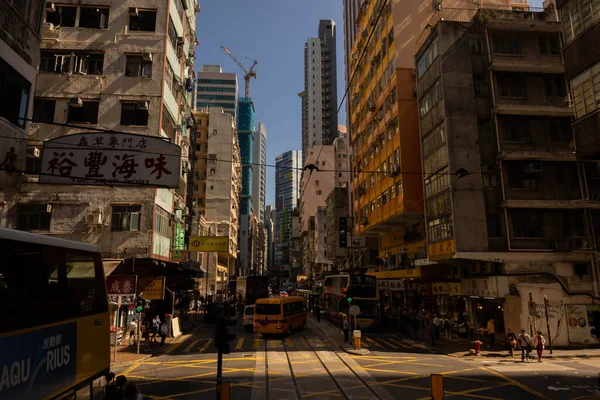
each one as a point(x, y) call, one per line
point(356, 335)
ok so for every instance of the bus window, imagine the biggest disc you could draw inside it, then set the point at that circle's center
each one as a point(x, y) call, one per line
point(82, 273)
point(268, 309)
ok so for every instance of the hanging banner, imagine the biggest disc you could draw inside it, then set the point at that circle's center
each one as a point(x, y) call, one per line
point(115, 159)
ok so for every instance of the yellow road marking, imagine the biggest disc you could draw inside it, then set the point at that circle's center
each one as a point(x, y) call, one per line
point(516, 383)
point(172, 347)
point(389, 370)
point(130, 369)
point(256, 343)
point(239, 344)
point(191, 346)
point(288, 343)
point(273, 344)
point(328, 392)
point(400, 343)
point(389, 344)
point(372, 341)
point(206, 346)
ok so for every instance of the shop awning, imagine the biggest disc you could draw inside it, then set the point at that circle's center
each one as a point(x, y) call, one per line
point(221, 268)
point(537, 256)
point(110, 265)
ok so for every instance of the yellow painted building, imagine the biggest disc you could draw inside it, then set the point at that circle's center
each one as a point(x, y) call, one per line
point(388, 185)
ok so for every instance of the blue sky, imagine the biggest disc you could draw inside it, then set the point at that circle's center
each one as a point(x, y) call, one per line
point(272, 32)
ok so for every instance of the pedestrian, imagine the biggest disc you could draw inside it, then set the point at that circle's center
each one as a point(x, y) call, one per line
point(538, 343)
point(511, 342)
point(163, 334)
point(155, 327)
point(448, 330)
point(133, 332)
point(525, 343)
point(346, 328)
point(131, 392)
point(491, 328)
point(436, 327)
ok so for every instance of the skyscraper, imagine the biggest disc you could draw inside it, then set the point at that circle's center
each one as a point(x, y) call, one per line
point(215, 88)
point(259, 177)
point(319, 97)
point(351, 9)
point(287, 189)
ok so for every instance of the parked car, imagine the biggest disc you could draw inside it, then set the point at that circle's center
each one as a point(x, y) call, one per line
point(248, 318)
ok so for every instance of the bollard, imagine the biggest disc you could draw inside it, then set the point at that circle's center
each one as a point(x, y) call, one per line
point(356, 335)
point(477, 344)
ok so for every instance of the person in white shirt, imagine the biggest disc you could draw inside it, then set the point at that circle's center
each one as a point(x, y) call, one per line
point(526, 345)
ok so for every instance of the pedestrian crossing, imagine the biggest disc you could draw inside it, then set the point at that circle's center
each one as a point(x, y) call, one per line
point(383, 343)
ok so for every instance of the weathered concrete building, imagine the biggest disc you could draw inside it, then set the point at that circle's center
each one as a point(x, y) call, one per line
point(111, 66)
point(507, 203)
point(20, 29)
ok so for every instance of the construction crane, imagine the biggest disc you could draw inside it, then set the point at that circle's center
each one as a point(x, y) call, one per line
point(249, 73)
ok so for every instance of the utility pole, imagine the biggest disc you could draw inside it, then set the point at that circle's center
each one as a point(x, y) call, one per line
point(548, 324)
point(222, 339)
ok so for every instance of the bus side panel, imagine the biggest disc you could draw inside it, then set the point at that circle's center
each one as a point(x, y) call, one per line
point(93, 345)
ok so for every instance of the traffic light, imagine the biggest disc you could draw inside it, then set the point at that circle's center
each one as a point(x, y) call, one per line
point(343, 232)
point(222, 336)
point(139, 305)
point(349, 299)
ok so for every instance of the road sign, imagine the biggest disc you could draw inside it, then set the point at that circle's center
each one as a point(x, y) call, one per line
point(354, 310)
point(437, 386)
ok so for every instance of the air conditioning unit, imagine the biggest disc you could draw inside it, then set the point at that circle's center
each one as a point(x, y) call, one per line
point(94, 218)
point(147, 56)
point(50, 7)
point(133, 11)
point(143, 105)
point(48, 27)
point(33, 152)
point(76, 102)
point(489, 169)
point(197, 8)
point(534, 167)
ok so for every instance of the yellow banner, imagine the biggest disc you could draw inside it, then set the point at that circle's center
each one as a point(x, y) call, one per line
point(399, 273)
point(151, 287)
point(218, 244)
point(441, 250)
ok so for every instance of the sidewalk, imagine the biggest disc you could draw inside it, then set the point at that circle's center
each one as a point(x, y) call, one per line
point(336, 336)
point(462, 347)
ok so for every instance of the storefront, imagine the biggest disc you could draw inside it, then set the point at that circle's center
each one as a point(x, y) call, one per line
point(486, 299)
point(449, 298)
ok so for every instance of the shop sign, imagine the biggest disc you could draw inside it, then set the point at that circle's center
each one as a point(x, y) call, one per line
point(442, 250)
point(121, 285)
point(449, 288)
point(390, 284)
point(399, 273)
point(124, 300)
point(152, 287)
point(178, 255)
point(115, 159)
point(494, 286)
point(218, 244)
point(178, 237)
point(41, 362)
point(580, 323)
point(417, 287)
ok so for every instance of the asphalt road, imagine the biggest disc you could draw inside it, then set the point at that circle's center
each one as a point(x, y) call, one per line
point(310, 364)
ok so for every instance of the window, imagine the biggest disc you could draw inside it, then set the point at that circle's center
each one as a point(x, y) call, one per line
point(318, 192)
point(554, 86)
point(142, 20)
point(476, 45)
point(431, 98)
point(52, 62)
point(34, 217)
point(93, 17)
point(549, 45)
point(480, 85)
point(484, 130)
point(162, 225)
point(63, 16)
point(518, 178)
point(15, 94)
point(515, 129)
point(489, 180)
point(507, 45)
point(135, 65)
point(512, 85)
point(126, 218)
point(88, 63)
point(86, 113)
point(316, 183)
point(440, 229)
point(586, 91)
point(216, 89)
point(527, 224)
point(399, 188)
point(436, 183)
point(134, 113)
point(494, 225)
point(560, 130)
point(577, 16)
point(212, 158)
point(384, 197)
point(43, 110)
point(427, 58)
point(172, 33)
point(392, 191)
point(217, 81)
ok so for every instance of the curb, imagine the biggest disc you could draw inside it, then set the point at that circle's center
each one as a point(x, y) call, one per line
point(356, 352)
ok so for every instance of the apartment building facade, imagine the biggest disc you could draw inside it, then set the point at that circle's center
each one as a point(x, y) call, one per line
point(319, 97)
point(20, 30)
point(259, 177)
point(508, 206)
point(139, 82)
point(215, 88)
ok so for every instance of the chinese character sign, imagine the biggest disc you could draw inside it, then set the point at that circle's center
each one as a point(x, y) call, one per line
point(152, 287)
point(121, 285)
point(210, 243)
point(116, 159)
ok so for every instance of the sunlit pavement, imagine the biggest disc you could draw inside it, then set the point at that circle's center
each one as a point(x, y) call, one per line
point(310, 364)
